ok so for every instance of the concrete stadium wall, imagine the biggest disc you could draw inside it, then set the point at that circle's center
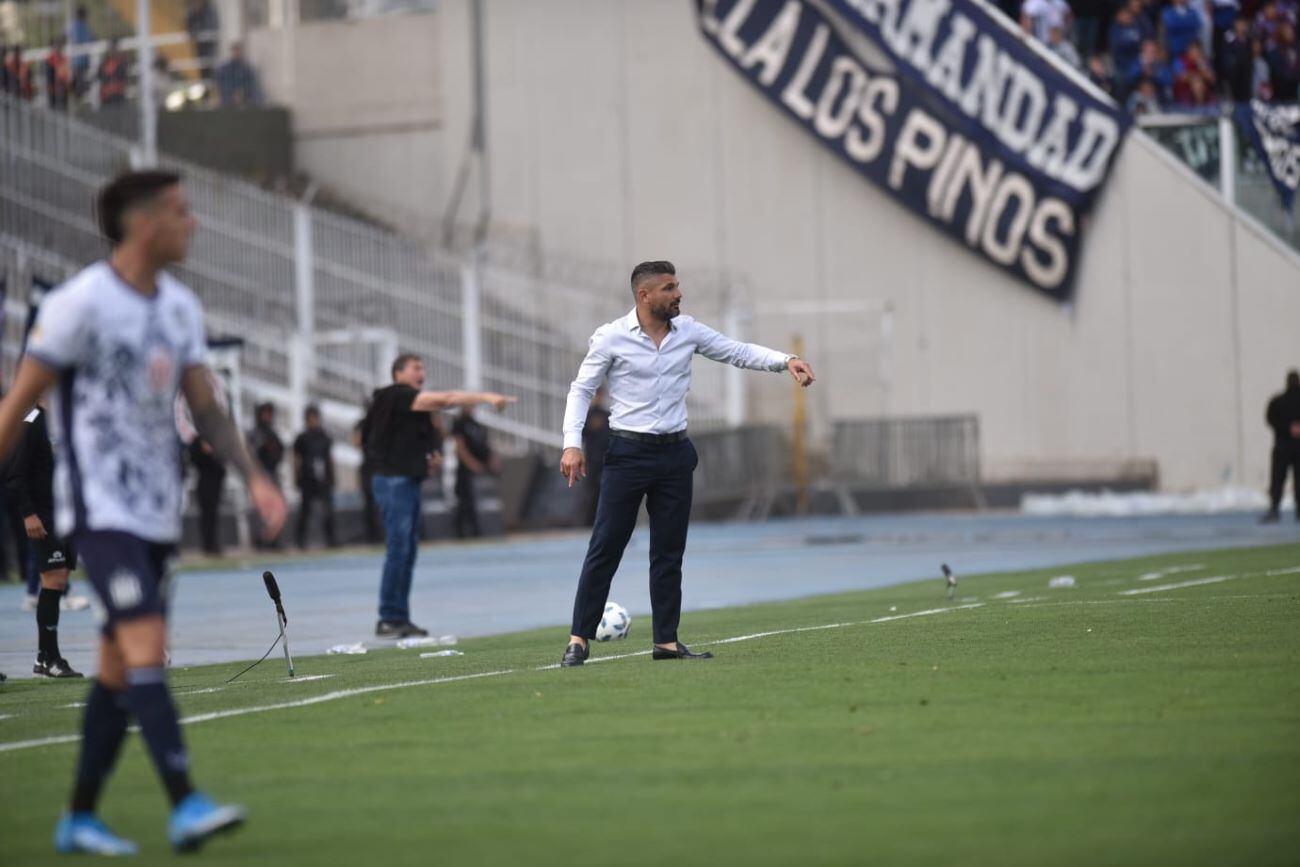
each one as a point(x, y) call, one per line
point(615, 135)
point(366, 112)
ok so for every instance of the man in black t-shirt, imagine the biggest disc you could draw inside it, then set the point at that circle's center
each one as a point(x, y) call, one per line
point(474, 457)
point(313, 470)
point(401, 442)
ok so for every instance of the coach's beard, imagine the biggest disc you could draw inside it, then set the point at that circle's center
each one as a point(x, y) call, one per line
point(671, 311)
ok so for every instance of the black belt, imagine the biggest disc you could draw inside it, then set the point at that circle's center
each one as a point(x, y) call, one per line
point(652, 439)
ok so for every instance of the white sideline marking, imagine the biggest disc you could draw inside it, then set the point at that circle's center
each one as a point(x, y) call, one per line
point(363, 690)
point(1007, 594)
point(843, 625)
point(1038, 603)
point(7, 715)
point(1172, 570)
point(42, 742)
point(1211, 580)
point(1159, 588)
point(182, 693)
point(330, 696)
point(307, 678)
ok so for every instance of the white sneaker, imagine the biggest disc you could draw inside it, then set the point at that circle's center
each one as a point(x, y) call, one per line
point(73, 602)
point(29, 602)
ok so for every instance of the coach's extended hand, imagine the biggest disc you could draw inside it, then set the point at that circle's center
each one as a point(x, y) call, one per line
point(801, 371)
point(573, 465)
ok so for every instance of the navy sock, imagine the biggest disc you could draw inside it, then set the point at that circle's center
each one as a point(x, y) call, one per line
point(102, 731)
point(151, 705)
point(47, 622)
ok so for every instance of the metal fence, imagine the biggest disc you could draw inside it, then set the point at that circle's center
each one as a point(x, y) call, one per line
point(1213, 147)
point(322, 301)
point(906, 452)
point(749, 466)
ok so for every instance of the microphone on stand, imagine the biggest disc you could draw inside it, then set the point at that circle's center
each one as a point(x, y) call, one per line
point(281, 622)
point(273, 590)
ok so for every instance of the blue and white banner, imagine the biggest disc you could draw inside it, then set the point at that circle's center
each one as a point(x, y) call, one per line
point(1274, 131)
point(943, 108)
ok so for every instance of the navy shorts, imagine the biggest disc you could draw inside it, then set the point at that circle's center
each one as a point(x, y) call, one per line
point(54, 553)
point(130, 575)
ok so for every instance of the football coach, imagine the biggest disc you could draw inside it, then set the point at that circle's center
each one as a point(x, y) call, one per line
point(645, 359)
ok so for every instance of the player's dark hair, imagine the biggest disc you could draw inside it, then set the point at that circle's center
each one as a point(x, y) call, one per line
point(127, 191)
point(650, 269)
point(399, 364)
point(1293, 379)
point(312, 411)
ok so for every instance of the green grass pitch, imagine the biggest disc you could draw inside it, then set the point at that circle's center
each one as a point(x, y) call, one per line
point(1069, 726)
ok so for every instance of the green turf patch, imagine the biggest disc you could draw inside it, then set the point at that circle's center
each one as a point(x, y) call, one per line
point(1015, 725)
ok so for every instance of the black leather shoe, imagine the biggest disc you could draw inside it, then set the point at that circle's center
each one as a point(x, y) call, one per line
point(389, 629)
point(575, 654)
point(410, 630)
point(682, 652)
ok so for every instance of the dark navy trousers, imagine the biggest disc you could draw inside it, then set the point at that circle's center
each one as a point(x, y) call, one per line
point(661, 474)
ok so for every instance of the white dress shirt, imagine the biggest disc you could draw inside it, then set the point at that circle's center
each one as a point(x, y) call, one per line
point(647, 384)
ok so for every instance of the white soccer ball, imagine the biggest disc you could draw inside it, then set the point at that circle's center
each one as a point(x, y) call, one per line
point(615, 623)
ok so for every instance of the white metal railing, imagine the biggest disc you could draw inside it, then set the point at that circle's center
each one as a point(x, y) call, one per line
point(1210, 144)
point(293, 280)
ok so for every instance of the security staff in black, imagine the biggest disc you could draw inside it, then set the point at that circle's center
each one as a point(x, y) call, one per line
point(1283, 416)
point(474, 457)
point(211, 481)
point(29, 481)
point(313, 470)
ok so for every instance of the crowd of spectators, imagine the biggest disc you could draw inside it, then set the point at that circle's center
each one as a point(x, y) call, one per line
point(72, 72)
point(1173, 55)
point(1150, 55)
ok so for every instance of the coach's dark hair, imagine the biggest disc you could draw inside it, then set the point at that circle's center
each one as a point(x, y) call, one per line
point(650, 269)
point(1293, 379)
point(125, 192)
point(399, 364)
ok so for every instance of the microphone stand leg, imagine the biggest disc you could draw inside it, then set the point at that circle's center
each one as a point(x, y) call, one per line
point(284, 637)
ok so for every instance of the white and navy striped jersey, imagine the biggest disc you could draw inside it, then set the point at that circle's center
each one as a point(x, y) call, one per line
point(119, 357)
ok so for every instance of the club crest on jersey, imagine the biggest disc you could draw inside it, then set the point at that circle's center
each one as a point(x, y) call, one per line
point(162, 367)
point(125, 590)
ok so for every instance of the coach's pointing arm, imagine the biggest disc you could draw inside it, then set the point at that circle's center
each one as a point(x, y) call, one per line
point(590, 375)
point(719, 347)
point(433, 401)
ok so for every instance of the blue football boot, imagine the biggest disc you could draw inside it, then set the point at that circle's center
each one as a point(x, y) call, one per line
point(197, 818)
point(84, 833)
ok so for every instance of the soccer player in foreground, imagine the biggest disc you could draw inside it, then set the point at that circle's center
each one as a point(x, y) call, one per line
point(645, 357)
point(119, 340)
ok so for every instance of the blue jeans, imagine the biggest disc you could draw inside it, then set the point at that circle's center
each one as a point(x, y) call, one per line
point(398, 498)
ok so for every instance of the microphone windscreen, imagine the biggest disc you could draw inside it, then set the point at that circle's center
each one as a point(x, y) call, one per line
point(272, 589)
